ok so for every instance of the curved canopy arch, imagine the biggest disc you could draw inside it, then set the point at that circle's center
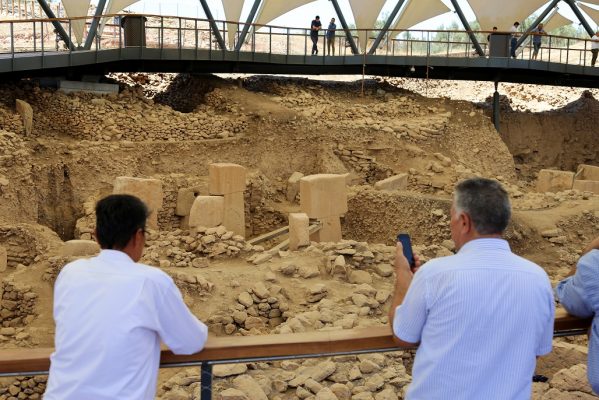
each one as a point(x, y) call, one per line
point(504, 13)
point(365, 14)
point(74, 9)
point(417, 11)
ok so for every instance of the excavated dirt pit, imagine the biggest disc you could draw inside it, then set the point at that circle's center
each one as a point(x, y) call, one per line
point(172, 127)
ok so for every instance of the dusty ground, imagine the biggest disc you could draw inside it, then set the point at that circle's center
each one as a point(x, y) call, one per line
point(172, 127)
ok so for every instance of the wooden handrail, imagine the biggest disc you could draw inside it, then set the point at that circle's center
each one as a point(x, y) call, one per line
point(248, 347)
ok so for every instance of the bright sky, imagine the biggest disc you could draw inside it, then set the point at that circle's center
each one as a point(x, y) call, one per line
point(296, 18)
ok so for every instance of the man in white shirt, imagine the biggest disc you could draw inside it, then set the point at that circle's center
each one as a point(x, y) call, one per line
point(111, 314)
point(514, 39)
point(481, 316)
point(594, 48)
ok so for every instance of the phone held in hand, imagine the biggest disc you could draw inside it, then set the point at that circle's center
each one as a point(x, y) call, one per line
point(406, 243)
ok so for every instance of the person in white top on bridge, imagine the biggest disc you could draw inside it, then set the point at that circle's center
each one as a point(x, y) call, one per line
point(111, 314)
point(594, 48)
point(481, 316)
point(514, 39)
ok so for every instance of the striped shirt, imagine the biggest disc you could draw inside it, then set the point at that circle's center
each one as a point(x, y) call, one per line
point(482, 317)
point(579, 294)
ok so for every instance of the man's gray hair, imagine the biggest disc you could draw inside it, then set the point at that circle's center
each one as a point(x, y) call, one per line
point(486, 202)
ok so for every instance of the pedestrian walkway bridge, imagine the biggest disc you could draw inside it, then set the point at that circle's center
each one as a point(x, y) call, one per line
point(30, 48)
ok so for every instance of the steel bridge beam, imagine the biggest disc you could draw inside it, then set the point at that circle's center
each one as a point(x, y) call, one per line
point(385, 29)
point(213, 26)
point(59, 28)
point(473, 38)
point(580, 17)
point(248, 24)
point(93, 30)
point(540, 19)
point(348, 34)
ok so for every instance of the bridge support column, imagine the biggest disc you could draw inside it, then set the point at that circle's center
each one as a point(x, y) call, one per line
point(248, 24)
point(93, 30)
point(385, 29)
point(65, 36)
point(580, 17)
point(537, 22)
point(496, 108)
point(473, 38)
point(350, 38)
point(213, 26)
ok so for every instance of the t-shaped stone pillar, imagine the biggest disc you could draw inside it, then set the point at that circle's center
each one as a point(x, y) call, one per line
point(228, 180)
point(148, 190)
point(324, 197)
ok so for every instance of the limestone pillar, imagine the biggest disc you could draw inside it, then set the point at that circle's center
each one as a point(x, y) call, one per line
point(228, 180)
point(554, 181)
point(148, 190)
point(207, 211)
point(3, 259)
point(324, 197)
point(299, 233)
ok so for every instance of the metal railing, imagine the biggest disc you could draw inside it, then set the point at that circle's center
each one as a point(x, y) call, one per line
point(162, 32)
point(230, 350)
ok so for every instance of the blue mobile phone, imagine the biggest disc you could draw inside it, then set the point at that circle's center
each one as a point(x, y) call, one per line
point(406, 242)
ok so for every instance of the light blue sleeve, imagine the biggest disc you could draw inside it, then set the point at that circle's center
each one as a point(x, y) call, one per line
point(411, 315)
point(546, 340)
point(579, 294)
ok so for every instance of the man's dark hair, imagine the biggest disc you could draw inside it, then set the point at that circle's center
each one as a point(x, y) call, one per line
point(486, 202)
point(118, 218)
point(317, 17)
point(516, 23)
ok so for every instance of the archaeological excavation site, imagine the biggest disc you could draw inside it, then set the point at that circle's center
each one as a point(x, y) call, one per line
point(275, 203)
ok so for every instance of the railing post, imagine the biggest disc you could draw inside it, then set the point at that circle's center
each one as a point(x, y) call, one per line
point(206, 381)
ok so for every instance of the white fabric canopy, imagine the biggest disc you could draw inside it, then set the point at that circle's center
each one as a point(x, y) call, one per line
point(74, 9)
point(365, 14)
point(590, 11)
point(272, 9)
point(418, 11)
point(233, 9)
point(556, 21)
point(504, 13)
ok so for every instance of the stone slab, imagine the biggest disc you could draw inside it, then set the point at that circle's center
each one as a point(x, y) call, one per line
point(587, 172)
point(79, 248)
point(554, 181)
point(226, 178)
point(234, 213)
point(207, 211)
point(3, 259)
point(586, 186)
point(299, 234)
point(323, 195)
point(185, 199)
point(397, 182)
point(87, 87)
point(293, 185)
point(330, 231)
point(148, 190)
point(26, 113)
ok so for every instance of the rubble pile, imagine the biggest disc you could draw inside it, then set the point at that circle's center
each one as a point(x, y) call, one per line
point(17, 306)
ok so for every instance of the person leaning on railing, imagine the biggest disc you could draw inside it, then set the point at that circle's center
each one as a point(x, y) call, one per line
point(111, 314)
point(579, 294)
point(594, 48)
point(481, 316)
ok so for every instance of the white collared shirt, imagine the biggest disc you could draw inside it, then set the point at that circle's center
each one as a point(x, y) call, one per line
point(111, 315)
point(482, 317)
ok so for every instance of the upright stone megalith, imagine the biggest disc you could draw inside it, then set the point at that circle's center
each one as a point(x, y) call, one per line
point(148, 190)
point(554, 181)
point(207, 211)
point(26, 112)
point(228, 180)
point(3, 259)
point(324, 197)
point(299, 230)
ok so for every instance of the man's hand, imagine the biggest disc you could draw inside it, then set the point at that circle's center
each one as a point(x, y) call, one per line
point(594, 245)
point(401, 262)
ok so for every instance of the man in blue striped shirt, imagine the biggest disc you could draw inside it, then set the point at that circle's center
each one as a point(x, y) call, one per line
point(481, 316)
point(579, 294)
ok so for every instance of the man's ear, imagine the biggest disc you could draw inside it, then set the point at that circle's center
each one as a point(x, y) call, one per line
point(465, 223)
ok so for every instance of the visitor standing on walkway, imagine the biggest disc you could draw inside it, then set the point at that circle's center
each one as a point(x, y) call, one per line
point(331, 32)
point(315, 27)
point(514, 39)
point(112, 313)
point(481, 316)
point(537, 40)
point(594, 48)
